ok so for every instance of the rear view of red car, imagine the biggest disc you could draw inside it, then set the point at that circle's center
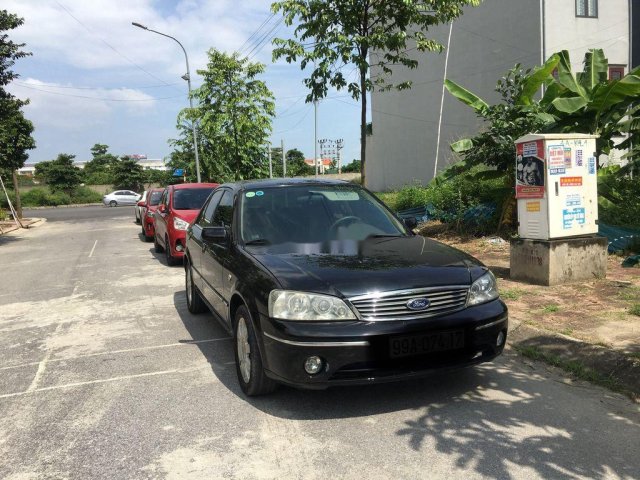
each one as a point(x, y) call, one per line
point(179, 206)
point(148, 206)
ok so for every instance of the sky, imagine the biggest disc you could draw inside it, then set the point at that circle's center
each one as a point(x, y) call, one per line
point(95, 78)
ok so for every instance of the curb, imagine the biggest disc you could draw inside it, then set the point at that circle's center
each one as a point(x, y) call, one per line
point(29, 223)
point(75, 205)
point(608, 364)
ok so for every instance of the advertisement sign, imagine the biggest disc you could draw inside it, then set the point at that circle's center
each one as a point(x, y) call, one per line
point(533, 206)
point(555, 156)
point(592, 165)
point(571, 216)
point(571, 182)
point(530, 170)
point(578, 158)
point(573, 200)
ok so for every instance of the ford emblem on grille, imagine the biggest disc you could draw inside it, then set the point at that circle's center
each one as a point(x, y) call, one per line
point(418, 303)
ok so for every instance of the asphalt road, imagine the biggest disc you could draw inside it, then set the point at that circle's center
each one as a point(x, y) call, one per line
point(105, 375)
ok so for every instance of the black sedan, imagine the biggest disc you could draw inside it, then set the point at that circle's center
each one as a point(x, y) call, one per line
point(320, 285)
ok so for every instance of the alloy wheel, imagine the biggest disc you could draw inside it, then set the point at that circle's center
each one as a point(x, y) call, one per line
point(244, 350)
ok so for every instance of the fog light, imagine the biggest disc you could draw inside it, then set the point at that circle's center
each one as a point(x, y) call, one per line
point(500, 339)
point(313, 365)
point(178, 247)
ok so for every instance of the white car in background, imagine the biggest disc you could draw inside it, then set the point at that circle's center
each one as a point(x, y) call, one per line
point(139, 209)
point(121, 197)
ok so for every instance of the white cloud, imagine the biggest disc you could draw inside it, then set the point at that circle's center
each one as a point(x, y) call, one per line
point(63, 107)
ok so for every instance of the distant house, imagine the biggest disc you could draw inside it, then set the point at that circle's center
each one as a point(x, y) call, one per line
point(323, 164)
point(146, 163)
point(486, 42)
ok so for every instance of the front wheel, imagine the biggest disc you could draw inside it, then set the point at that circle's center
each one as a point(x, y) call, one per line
point(156, 245)
point(194, 301)
point(113, 203)
point(171, 260)
point(249, 369)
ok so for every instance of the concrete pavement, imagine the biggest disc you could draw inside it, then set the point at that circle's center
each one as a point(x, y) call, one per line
point(105, 374)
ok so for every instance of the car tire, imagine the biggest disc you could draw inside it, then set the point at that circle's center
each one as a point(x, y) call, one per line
point(156, 245)
point(249, 368)
point(195, 304)
point(171, 260)
point(113, 203)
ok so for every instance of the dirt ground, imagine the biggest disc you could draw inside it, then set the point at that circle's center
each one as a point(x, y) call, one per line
point(603, 312)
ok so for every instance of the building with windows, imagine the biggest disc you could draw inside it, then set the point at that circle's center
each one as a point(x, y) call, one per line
point(485, 43)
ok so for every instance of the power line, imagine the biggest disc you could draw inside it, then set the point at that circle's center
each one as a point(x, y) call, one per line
point(265, 39)
point(111, 46)
point(105, 99)
point(297, 123)
point(252, 36)
point(52, 85)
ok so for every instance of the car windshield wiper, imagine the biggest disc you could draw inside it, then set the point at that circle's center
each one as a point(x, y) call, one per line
point(258, 241)
point(385, 235)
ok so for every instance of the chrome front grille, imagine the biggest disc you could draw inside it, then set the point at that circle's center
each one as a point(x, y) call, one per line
point(392, 305)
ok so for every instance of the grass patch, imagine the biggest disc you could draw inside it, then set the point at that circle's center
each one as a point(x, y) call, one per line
point(630, 294)
point(512, 294)
point(635, 309)
point(575, 368)
point(390, 199)
point(550, 308)
point(566, 331)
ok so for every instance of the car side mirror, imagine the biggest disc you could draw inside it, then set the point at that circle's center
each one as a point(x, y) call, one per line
point(215, 235)
point(141, 203)
point(162, 208)
point(410, 223)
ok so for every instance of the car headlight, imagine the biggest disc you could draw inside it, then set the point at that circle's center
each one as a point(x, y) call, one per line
point(483, 289)
point(179, 224)
point(291, 305)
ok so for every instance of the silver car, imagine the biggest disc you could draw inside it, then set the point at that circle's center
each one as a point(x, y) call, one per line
point(139, 209)
point(121, 197)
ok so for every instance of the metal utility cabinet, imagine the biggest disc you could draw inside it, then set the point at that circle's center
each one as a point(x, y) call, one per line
point(556, 186)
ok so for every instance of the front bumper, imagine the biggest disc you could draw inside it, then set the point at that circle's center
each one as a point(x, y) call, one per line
point(359, 352)
point(149, 229)
point(177, 237)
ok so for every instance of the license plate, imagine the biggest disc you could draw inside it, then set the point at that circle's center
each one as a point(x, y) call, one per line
point(428, 343)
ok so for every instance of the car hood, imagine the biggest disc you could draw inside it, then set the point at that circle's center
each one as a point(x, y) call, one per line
point(377, 264)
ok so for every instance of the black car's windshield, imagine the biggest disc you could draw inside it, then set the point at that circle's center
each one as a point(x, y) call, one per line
point(190, 198)
point(313, 214)
point(155, 198)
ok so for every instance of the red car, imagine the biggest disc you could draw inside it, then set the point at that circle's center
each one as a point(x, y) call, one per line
point(147, 207)
point(179, 206)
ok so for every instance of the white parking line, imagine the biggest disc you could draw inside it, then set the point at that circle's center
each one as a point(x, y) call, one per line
point(126, 350)
point(103, 380)
point(94, 247)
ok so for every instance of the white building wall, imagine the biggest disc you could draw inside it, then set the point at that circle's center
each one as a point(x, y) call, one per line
point(486, 42)
point(609, 31)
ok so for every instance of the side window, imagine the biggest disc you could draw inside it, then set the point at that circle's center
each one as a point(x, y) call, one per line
point(119, 193)
point(224, 212)
point(166, 198)
point(206, 213)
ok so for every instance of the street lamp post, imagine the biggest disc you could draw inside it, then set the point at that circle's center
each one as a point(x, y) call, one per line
point(186, 77)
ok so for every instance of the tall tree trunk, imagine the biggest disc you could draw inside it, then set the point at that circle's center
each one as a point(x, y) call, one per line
point(363, 127)
point(18, 205)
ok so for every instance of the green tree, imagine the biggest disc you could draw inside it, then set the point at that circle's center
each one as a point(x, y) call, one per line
point(235, 114)
point(352, 167)
point(128, 175)
point(15, 129)
point(98, 170)
point(60, 174)
point(295, 164)
point(334, 34)
point(586, 102)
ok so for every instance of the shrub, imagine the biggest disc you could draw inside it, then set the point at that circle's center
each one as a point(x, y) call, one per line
point(619, 201)
point(43, 197)
point(85, 195)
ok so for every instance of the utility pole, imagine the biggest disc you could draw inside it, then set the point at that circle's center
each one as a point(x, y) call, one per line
point(284, 163)
point(315, 136)
point(339, 147)
point(270, 164)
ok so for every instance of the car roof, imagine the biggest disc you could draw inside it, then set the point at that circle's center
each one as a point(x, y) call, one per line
point(181, 186)
point(281, 182)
